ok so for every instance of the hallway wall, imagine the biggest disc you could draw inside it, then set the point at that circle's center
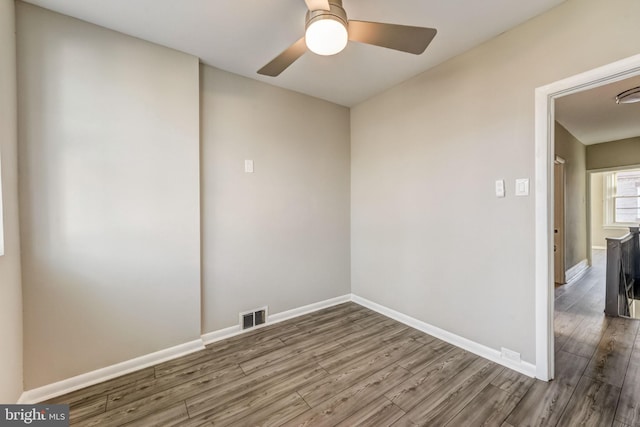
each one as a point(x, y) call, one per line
point(624, 152)
point(575, 225)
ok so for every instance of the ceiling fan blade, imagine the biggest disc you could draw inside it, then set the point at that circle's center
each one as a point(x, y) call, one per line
point(317, 5)
point(286, 58)
point(399, 37)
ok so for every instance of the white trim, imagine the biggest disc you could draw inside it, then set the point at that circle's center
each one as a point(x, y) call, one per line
point(614, 168)
point(577, 271)
point(221, 334)
point(543, 239)
point(464, 343)
point(602, 248)
point(290, 314)
point(544, 144)
point(103, 374)
point(588, 204)
point(621, 226)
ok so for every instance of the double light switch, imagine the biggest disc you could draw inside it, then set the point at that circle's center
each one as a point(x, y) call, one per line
point(522, 187)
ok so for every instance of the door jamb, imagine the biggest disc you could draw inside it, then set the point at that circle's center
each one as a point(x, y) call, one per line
point(544, 156)
point(559, 160)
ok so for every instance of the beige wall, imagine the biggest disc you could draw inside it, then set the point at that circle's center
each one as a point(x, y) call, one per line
point(429, 237)
point(575, 209)
point(624, 152)
point(109, 186)
point(110, 190)
point(599, 233)
point(10, 288)
point(279, 236)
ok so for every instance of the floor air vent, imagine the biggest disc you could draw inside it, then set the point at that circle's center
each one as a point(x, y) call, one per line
point(253, 318)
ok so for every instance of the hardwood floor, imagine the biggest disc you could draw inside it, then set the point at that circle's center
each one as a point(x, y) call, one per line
point(349, 366)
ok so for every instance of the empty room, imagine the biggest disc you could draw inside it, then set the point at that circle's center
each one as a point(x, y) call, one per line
point(304, 212)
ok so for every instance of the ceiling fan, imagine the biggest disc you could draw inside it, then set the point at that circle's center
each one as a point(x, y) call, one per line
point(327, 31)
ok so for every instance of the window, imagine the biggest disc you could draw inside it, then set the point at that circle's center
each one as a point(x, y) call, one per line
point(622, 198)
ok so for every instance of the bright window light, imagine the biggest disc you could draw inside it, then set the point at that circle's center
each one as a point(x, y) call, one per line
point(622, 198)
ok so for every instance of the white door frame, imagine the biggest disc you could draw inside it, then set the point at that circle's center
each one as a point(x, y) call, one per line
point(559, 249)
point(544, 156)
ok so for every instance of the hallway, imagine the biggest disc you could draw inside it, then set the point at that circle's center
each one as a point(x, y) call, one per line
point(597, 358)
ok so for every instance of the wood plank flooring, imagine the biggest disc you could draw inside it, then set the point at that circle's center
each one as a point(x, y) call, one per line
point(349, 366)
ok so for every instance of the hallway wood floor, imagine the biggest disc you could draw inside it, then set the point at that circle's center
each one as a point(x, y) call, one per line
point(597, 357)
point(349, 366)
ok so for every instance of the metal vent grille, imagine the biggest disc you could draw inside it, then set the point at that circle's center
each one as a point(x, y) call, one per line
point(259, 317)
point(250, 319)
point(247, 321)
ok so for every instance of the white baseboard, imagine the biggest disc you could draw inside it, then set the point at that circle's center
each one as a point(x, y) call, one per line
point(577, 271)
point(232, 331)
point(525, 368)
point(601, 248)
point(290, 314)
point(222, 334)
point(94, 377)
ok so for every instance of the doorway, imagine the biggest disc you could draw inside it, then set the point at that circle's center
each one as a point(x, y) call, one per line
point(545, 194)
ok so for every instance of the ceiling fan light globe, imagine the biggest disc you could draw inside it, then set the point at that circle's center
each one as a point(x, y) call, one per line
point(630, 96)
point(326, 36)
point(629, 99)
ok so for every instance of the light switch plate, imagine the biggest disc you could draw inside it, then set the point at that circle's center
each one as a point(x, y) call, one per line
point(500, 188)
point(248, 166)
point(522, 187)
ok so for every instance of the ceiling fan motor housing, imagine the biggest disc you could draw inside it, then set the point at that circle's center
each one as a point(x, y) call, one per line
point(335, 12)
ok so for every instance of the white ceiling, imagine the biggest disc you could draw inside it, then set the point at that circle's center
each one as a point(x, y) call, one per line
point(593, 116)
point(241, 36)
